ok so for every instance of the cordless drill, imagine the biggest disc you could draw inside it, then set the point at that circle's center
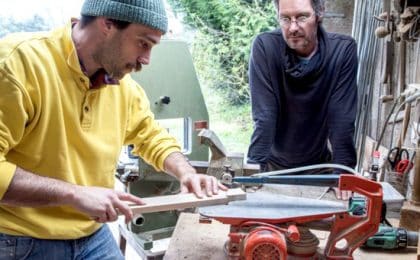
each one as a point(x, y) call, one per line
point(392, 238)
point(387, 237)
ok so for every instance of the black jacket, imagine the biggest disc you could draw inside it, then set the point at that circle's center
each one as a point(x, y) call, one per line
point(297, 108)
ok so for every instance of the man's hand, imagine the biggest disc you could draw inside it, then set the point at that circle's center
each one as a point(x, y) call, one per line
point(104, 205)
point(176, 164)
point(342, 194)
point(197, 183)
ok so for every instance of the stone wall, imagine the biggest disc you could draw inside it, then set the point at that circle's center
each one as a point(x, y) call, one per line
point(339, 16)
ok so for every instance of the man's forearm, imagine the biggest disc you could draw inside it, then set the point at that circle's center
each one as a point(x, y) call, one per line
point(30, 190)
point(176, 164)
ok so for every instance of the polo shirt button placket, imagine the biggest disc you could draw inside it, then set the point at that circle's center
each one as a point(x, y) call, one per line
point(86, 119)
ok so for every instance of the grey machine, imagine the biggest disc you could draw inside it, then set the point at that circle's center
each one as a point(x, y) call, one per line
point(176, 100)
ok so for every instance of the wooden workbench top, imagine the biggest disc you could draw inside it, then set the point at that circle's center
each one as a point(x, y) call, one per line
point(192, 240)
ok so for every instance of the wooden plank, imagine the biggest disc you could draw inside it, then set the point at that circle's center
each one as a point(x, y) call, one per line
point(186, 200)
point(410, 216)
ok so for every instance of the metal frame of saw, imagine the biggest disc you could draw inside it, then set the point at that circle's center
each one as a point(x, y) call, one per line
point(351, 228)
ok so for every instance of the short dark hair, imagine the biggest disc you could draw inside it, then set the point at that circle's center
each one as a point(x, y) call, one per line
point(87, 19)
point(317, 5)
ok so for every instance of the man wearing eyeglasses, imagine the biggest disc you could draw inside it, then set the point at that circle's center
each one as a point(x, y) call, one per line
point(303, 92)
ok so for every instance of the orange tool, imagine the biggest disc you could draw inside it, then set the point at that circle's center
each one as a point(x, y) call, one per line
point(261, 227)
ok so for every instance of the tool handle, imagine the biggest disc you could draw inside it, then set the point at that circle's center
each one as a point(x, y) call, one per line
point(403, 166)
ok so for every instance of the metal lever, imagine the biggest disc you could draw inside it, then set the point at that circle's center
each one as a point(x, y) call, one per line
point(331, 180)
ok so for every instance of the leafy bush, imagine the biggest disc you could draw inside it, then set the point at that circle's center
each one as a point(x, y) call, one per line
point(222, 45)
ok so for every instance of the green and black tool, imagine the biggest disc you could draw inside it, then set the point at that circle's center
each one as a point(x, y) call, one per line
point(387, 237)
point(392, 238)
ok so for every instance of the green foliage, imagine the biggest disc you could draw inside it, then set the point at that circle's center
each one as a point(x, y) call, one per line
point(232, 124)
point(222, 45)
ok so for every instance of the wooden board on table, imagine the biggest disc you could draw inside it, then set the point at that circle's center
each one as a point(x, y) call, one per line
point(186, 200)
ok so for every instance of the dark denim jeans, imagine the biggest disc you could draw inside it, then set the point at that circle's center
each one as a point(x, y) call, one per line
point(100, 245)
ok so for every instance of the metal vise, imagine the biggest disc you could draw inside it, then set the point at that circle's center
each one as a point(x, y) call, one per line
point(223, 165)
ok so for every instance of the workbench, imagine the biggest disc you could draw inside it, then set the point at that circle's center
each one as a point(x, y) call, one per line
point(193, 240)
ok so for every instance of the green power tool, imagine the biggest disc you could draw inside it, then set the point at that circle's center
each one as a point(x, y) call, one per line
point(392, 238)
point(387, 237)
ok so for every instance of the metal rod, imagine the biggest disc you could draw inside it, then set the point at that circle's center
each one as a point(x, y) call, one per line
point(307, 180)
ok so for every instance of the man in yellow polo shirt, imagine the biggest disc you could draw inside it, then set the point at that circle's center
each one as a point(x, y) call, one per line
point(67, 106)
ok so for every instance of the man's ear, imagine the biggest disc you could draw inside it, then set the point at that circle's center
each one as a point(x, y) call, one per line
point(105, 25)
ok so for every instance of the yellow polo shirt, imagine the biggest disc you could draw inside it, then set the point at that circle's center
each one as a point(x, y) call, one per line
point(53, 125)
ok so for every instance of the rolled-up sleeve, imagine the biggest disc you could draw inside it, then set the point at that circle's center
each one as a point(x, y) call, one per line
point(13, 118)
point(7, 170)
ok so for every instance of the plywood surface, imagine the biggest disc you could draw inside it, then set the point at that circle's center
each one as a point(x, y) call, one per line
point(192, 240)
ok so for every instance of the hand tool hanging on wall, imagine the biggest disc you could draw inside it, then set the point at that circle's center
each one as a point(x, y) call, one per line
point(399, 159)
point(382, 32)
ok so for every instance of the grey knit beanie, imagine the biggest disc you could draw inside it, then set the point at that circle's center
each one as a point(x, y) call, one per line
point(148, 12)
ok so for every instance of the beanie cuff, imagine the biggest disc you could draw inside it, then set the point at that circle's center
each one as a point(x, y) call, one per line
point(147, 12)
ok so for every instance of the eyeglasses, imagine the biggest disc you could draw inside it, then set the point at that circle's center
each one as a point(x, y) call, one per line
point(300, 20)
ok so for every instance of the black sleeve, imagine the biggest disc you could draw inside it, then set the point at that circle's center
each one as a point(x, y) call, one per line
point(342, 110)
point(263, 102)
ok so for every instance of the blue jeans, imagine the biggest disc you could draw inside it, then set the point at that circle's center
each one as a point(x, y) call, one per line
point(100, 245)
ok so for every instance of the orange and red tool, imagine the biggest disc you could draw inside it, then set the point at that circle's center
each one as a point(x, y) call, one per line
point(261, 226)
